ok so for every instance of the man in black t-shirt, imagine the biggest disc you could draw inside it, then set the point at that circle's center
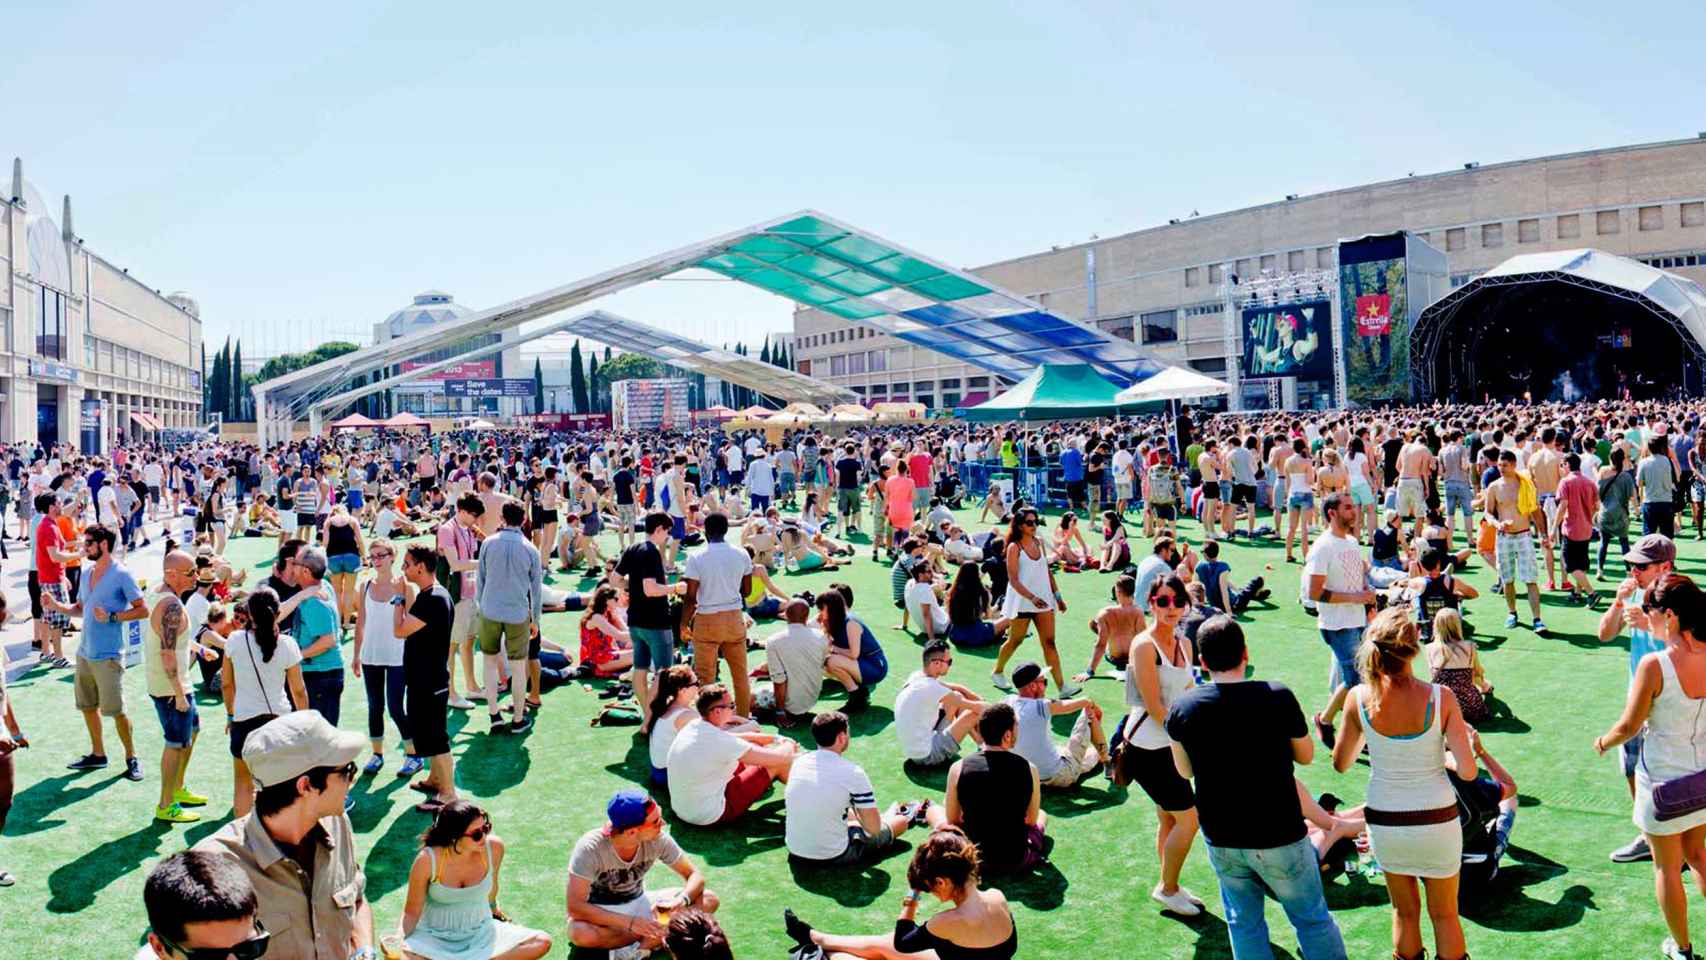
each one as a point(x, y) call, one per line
point(424, 629)
point(623, 481)
point(650, 624)
point(847, 469)
point(1239, 739)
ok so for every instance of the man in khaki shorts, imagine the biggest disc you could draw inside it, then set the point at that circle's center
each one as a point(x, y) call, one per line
point(717, 579)
point(110, 597)
point(511, 598)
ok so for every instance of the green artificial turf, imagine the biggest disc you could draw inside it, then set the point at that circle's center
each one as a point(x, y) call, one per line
point(81, 843)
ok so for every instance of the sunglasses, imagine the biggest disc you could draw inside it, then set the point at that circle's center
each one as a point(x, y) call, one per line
point(249, 949)
point(347, 771)
point(725, 705)
point(381, 555)
point(1167, 601)
point(480, 831)
point(1030, 521)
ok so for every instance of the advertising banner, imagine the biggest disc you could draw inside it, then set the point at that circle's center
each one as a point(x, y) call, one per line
point(1375, 298)
point(89, 428)
point(486, 388)
point(468, 370)
point(1289, 340)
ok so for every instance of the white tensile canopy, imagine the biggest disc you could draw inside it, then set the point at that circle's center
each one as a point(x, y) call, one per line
point(1173, 383)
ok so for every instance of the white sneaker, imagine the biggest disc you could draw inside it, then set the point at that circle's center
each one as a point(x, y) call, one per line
point(461, 703)
point(1071, 690)
point(633, 951)
point(1001, 682)
point(1181, 902)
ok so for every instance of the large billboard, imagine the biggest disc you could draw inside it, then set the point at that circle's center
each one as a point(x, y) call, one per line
point(1375, 305)
point(467, 370)
point(1289, 340)
point(482, 389)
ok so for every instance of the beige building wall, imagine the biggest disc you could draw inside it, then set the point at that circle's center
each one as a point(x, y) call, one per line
point(1647, 202)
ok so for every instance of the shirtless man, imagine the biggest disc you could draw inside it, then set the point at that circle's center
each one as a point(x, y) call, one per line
point(1415, 465)
point(1514, 543)
point(1208, 463)
point(489, 522)
point(1545, 469)
point(1278, 454)
point(1115, 627)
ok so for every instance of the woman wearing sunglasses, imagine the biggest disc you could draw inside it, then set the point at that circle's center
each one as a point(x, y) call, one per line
point(451, 911)
point(378, 658)
point(1031, 597)
point(1158, 674)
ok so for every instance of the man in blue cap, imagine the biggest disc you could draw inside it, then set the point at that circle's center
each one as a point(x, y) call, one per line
point(609, 906)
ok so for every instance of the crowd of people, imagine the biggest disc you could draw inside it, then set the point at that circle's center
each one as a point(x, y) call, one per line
point(396, 558)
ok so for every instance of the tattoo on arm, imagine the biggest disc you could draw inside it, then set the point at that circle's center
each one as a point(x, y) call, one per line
point(171, 624)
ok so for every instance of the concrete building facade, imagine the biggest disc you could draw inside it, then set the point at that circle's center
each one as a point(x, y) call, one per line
point(1167, 287)
point(74, 327)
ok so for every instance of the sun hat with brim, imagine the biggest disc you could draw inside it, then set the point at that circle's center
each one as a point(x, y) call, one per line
point(296, 743)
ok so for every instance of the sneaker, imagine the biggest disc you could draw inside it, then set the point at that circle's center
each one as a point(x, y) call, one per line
point(175, 814)
point(499, 724)
point(1539, 626)
point(186, 798)
point(633, 951)
point(133, 770)
point(91, 761)
point(1001, 682)
point(7, 879)
point(1510, 621)
point(1071, 691)
point(1325, 731)
point(410, 767)
point(374, 764)
point(858, 700)
point(1179, 902)
point(521, 726)
point(1674, 952)
point(461, 703)
point(1634, 851)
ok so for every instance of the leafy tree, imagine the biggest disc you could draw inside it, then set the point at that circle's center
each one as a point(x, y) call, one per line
point(291, 362)
point(577, 380)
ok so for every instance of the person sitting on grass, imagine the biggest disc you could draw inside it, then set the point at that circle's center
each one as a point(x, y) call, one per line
point(968, 606)
point(1087, 747)
point(605, 645)
point(608, 904)
point(900, 574)
point(832, 818)
point(696, 935)
point(1070, 549)
point(1216, 577)
point(715, 775)
point(924, 603)
point(1116, 549)
point(575, 547)
point(764, 600)
point(995, 504)
point(795, 657)
point(931, 715)
point(1115, 626)
point(451, 906)
point(856, 660)
point(947, 866)
point(1454, 664)
point(806, 553)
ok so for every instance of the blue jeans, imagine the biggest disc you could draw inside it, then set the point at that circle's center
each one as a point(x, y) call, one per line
point(384, 687)
point(1457, 499)
point(1344, 643)
point(1658, 518)
point(1294, 876)
point(325, 690)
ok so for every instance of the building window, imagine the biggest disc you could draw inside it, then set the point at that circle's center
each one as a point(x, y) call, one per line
point(1323, 258)
point(1245, 268)
point(1694, 214)
point(950, 383)
point(1607, 222)
point(50, 323)
point(1269, 262)
point(1528, 231)
point(1191, 277)
point(1210, 365)
point(1650, 218)
point(1294, 261)
point(977, 383)
point(1569, 226)
point(950, 400)
point(856, 362)
point(924, 386)
point(1161, 326)
point(1455, 239)
point(804, 366)
point(1205, 309)
point(899, 389)
point(1118, 326)
point(879, 361)
point(838, 365)
point(1492, 234)
point(1214, 273)
point(859, 390)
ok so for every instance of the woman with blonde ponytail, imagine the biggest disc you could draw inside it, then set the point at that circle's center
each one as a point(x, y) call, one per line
point(1411, 808)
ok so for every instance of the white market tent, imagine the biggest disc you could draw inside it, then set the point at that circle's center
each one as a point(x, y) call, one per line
point(807, 257)
point(1173, 383)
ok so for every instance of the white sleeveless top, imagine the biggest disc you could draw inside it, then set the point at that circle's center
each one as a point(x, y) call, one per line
point(663, 736)
point(379, 644)
point(1675, 744)
point(1151, 734)
point(1408, 772)
point(1033, 573)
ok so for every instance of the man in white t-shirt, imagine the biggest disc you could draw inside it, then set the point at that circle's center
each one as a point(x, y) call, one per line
point(715, 775)
point(761, 480)
point(736, 463)
point(1337, 574)
point(106, 505)
point(1058, 765)
point(832, 817)
point(923, 606)
point(795, 656)
point(1125, 481)
point(718, 579)
point(931, 715)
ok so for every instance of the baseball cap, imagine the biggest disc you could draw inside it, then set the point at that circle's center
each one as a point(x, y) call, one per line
point(296, 743)
point(628, 809)
point(1652, 548)
point(1027, 673)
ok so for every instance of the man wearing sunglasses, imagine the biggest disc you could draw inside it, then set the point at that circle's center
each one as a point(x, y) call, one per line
point(1649, 563)
point(201, 907)
point(297, 847)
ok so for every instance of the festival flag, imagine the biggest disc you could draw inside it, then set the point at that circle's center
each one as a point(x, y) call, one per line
point(1374, 314)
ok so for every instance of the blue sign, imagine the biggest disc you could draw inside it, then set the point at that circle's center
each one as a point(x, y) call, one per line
point(483, 389)
point(50, 370)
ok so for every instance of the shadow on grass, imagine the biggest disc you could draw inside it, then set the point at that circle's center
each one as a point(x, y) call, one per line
point(74, 885)
point(1042, 889)
point(1350, 891)
point(759, 830)
point(1080, 800)
point(1511, 909)
point(1503, 720)
point(1213, 940)
point(870, 721)
point(390, 855)
point(931, 778)
point(635, 765)
point(33, 809)
point(498, 762)
point(850, 886)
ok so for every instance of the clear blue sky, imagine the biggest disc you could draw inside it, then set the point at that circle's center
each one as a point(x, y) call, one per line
point(305, 168)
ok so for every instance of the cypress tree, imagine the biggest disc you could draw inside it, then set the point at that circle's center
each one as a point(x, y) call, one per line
point(577, 380)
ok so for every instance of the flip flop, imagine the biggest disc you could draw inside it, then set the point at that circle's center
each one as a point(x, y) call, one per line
point(429, 806)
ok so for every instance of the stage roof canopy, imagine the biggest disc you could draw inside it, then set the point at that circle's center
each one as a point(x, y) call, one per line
point(815, 261)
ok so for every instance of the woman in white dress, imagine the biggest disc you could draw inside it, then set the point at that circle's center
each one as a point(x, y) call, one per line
point(1031, 598)
point(1668, 696)
point(1411, 809)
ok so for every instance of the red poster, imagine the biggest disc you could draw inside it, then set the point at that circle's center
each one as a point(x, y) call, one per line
point(1374, 314)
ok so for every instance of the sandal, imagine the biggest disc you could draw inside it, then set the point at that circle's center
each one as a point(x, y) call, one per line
point(432, 805)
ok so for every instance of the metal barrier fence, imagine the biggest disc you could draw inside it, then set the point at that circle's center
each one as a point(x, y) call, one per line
point(1039, 486)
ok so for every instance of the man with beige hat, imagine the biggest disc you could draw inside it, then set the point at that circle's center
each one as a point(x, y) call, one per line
point(297, 846)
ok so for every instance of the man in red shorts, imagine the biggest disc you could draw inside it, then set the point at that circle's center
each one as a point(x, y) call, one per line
point(716, 774)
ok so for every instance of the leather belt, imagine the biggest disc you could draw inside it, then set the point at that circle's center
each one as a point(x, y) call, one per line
point(1409, 818)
